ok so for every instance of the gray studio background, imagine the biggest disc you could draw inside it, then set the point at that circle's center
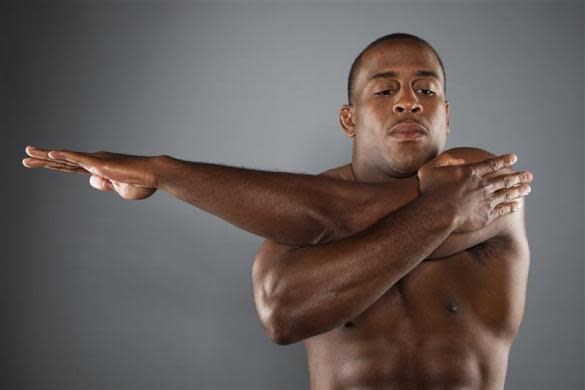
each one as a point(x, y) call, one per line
point(102, 293)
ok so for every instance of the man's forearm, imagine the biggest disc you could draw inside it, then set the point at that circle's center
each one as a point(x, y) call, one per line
point(309, 291)
point(293, 209)
point(289, 208)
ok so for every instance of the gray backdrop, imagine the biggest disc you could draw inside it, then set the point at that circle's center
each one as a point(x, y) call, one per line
point(99, 292)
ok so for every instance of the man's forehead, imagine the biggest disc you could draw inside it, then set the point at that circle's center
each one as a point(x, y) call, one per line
point(399, 57)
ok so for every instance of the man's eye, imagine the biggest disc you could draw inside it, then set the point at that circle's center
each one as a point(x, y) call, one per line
point(427, 92)
point(385, 92)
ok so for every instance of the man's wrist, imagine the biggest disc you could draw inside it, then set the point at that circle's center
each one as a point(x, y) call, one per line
point(442, 210)
point(160, 167)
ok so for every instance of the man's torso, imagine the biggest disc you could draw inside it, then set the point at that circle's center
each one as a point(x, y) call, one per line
point(447, 324)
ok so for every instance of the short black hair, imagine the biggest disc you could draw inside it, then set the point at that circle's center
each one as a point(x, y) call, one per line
point(390, 37)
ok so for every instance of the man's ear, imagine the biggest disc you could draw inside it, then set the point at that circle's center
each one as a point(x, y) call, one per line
point(447, 114)
point(347, 120)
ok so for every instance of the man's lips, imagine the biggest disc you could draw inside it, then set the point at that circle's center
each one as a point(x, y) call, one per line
point(407, 130)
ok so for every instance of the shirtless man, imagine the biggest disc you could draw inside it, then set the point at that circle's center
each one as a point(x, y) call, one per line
point(405, 269)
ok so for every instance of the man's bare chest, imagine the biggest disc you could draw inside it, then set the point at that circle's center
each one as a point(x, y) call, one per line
point(464, 290)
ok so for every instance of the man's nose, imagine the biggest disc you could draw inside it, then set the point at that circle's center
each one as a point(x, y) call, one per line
point(407, 103)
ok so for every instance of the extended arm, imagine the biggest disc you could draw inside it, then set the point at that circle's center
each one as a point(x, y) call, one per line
point(300, 210)
point(292, 209)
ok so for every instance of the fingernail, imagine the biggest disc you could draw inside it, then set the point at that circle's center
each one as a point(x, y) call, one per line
point(514, 158)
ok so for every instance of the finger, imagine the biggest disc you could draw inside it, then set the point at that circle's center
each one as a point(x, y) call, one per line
point(36, 163)
point(66, 169)
point(445, 159)
point(32, 162)
point(449, 161)
point(509, 180)
point(79, 158)
point(43, 154)
point(509, 194)
point(36, 152)
point(504, 209)
point(494, 164)
point(100, 183)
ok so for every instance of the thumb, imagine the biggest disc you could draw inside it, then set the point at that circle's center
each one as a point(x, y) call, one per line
point(445, 160)
point(99, 183)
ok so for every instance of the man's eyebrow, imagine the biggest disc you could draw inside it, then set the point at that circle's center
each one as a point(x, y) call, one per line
point(391, 74)
point(427, 73)
point(386, 75)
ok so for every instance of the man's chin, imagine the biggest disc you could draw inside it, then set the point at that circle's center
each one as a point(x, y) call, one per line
point(404, 174)
point(406, 169)
point(408, 165)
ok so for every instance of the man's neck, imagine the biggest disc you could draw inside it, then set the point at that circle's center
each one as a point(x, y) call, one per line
point(368, 174)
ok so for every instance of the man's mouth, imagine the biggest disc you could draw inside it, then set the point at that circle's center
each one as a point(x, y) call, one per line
point(407, 131)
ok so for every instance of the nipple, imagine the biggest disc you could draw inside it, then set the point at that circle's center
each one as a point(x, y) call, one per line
point(348, 325)
point(452, 307)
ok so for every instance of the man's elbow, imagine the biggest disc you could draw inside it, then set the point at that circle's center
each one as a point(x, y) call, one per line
point(279, 330)
point(270, 301)
point(276, 321)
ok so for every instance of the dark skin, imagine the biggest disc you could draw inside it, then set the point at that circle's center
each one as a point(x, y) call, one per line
point(345, 250)
point(371, 313)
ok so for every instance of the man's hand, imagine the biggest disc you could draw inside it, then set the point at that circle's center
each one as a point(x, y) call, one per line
point(132, 177)
point(478, 196)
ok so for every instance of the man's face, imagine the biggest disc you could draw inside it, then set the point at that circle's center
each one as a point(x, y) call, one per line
point(398, 90)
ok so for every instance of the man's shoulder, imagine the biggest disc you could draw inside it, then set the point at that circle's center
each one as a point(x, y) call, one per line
point(511, 228)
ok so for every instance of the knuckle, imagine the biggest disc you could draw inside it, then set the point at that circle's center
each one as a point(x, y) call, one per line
point(508, 182)
point(495, 164)
point(492, 164)
point(467, 171)
point(508, 196)
point(494, 203)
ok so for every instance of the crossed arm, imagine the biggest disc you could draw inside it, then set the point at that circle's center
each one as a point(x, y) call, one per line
point(303, 292)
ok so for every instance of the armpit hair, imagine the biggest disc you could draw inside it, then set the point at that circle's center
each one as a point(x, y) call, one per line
point(483, 251)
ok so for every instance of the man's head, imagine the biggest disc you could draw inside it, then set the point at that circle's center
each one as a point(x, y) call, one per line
point(397, 79)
